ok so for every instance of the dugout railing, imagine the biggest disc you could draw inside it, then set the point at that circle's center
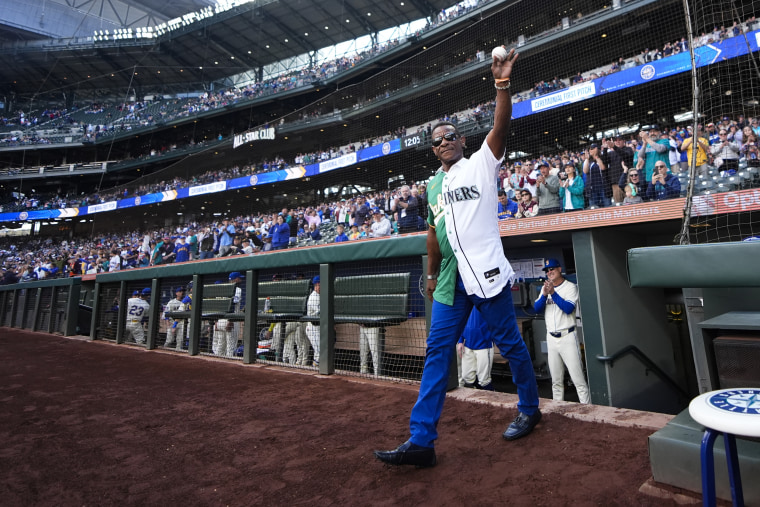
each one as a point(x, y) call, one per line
point(373, 316)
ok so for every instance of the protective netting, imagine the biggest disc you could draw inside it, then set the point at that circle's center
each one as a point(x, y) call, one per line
point(175, 300)
point(725, 200)
point(45, 307)
point(380, 318)
point(106, 318)
point(283, 335)
point(29, 307)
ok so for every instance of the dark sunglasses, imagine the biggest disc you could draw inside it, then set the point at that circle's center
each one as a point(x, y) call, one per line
point(449, 136)
point(634, 175)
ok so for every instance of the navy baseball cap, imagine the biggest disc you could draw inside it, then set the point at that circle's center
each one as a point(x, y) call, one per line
point(377, 211)
point(179, 289)
point(136, 293)
point(315, 280)
point(146, 291)
point(235, 274)
point(551, 263)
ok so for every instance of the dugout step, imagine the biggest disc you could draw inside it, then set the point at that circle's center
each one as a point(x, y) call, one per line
point(674, 457)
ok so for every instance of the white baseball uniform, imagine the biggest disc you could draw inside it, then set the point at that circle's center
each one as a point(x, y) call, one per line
point(563, 349)
point(175, 329)
point(137, 310)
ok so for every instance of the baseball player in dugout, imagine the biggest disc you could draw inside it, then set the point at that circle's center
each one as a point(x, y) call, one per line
point(467, 267)
point(557, 302)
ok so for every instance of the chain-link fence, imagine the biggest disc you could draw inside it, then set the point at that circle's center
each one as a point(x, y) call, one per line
point(380, 318)
point(282, 334)
point(107, 313)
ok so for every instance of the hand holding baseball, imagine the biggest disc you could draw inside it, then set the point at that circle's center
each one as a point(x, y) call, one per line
point(502, 68)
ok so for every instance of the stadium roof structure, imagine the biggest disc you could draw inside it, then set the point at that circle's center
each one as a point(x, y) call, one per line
point(209, 49)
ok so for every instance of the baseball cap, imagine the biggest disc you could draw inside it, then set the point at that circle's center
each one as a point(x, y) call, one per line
point(179, 289)
point(551, 263)
point(315, 280)
point(146, 291)
point(235, 274)
point(136, 293)
point(593, 145)
point(377, 211)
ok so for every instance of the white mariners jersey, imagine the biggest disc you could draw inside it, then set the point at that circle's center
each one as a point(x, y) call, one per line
point(556, 319)
point(469, 199)
point(174, 305)
point(137, 309)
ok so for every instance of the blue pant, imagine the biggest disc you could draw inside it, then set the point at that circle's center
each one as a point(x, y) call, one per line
point(446, 327)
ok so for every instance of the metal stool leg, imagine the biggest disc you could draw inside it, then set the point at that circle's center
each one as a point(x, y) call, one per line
point(734, 476)
point(708, 468)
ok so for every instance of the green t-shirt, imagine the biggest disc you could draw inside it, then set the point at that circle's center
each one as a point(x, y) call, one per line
point(447, 278)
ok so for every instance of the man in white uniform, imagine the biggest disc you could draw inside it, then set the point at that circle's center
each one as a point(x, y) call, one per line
point(467, 268)
point(175, 329)
point(137, 311)
point(312, 328)
point(557, 301)
point(226, 331)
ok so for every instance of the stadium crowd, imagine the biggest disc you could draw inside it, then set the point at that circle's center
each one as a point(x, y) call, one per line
point(615, 171)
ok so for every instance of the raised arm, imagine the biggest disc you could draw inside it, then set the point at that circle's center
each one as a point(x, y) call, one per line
point(501, 70)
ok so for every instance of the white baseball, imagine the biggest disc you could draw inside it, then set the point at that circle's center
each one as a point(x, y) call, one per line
point(499, 53)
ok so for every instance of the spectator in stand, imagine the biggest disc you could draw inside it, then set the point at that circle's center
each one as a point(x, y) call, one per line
point(527, 207)
point(751, 150)
point(632, 177)
point(595, 171)
point(653, 149)
point(712, 133)
point(182, 250)
point(631, 195)
point(341, 234)
point(423, 202)
point(354, 234)
point(702, 147)
point(226, 233)
point(406, 206)
point(381, 226)
point(663, 185)
point(314, 233)
point(530, 175)
point(362, 211)
point(571, 189)
point(725, 153)
point(507, 208)
point(115, 263)
point(547, 190)
point(206, 242)
point(615, 154)
point(293, 224)
point(280, 234)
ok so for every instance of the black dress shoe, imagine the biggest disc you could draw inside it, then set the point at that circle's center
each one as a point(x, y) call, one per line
point(522, 425)
point(408, 454)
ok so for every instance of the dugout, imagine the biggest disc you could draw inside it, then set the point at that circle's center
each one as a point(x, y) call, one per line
point(635, 354)
point(721, 283)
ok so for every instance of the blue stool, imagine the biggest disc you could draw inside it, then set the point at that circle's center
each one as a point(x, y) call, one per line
point(729, 412)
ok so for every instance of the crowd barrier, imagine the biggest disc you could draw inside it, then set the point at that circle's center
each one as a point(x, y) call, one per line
point(373, 317)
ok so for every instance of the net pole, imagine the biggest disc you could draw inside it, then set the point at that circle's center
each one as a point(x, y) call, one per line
point(683, 237)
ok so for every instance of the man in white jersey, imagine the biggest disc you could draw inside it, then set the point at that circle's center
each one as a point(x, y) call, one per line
point(557, 301)
point(312, 328)
point(226, 332)
point(175, 329)
point(467, 268)
point(137, 312)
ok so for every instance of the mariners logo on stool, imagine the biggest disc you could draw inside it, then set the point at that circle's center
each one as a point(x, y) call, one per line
point(745, 401)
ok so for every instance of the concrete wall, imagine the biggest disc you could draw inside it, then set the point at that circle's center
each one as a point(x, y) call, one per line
point(615, 316)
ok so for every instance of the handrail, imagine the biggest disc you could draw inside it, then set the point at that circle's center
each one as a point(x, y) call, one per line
point(636, 352)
